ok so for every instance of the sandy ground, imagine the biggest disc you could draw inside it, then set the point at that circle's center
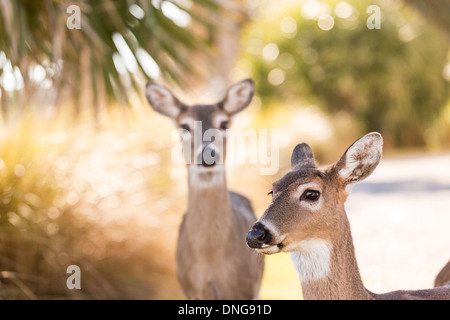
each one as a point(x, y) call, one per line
point(400, 218)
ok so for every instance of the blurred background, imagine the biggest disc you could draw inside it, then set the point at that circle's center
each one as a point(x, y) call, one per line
point(86, 176)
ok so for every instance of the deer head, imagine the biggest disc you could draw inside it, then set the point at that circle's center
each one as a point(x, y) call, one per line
point(202, 127)
point(307, 208)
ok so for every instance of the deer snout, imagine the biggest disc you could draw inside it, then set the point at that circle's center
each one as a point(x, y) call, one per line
point(258, 236)
point(209, 156)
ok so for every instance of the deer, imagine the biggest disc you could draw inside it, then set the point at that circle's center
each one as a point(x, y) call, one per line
point(213, 261)
point(307, 218)
point(443, 277)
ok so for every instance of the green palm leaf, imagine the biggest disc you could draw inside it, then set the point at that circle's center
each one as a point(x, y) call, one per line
point(34, 33)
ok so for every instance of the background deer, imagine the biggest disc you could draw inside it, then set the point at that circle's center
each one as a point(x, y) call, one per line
point(307, 218)
point(213, 261)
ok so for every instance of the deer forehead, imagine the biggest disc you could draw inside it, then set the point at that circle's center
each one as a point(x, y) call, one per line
point(209, 115)
point(298, 181)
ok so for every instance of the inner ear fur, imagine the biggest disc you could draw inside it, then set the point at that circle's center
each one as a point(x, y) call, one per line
point(163, 101)
point(238, 96)
point(360, 159)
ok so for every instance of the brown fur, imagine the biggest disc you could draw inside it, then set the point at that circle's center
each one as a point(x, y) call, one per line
point(212, 262)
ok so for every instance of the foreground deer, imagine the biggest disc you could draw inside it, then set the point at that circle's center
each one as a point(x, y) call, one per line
point(307, 218)
point(213, 261)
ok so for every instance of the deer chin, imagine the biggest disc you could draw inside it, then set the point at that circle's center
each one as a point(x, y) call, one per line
point(205, 171)
point(204, 177)
point(270, 249)
point(279, 246)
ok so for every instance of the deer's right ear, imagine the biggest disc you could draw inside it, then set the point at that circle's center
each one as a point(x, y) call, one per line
point(360, 159)
point(162, 100)
point(302, 157)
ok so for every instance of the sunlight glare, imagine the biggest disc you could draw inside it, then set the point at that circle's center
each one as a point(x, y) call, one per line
point(180, 17)
point(270, 52)
point(311, 9)
point(407, 33)
point(148, 64)
point(326, 22)
point(286, 60)
point(37, 73)
point(343, 10)
point(125, 52)
point(118, 63)
point(7, 79)
point(276, 76)
point(136, 11)
point(289, 26)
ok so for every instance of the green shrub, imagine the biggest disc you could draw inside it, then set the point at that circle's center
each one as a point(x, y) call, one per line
point(389, 79)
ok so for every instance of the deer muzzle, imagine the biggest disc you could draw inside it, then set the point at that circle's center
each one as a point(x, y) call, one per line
point(258, 236)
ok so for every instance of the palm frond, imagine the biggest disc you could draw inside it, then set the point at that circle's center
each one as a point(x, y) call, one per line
point(35, 33)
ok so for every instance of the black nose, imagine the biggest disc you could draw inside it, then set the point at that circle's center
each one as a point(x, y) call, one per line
point(257, 236)
point(210, 156)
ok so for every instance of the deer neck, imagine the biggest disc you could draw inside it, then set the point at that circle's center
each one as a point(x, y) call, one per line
point(209, 207)
point(328, 270)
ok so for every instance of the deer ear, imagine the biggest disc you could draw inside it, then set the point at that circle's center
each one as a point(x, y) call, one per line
point(162, 100)
point(302, 157)
point(360, 159)
point(238, 96)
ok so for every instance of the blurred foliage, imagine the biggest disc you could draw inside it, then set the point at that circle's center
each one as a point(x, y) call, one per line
point(96, 199)
point(436, 11)
point(87, 65)
point(389, 79)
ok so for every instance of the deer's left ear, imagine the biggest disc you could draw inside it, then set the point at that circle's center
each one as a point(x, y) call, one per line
point(238, 96)
point(302, 157)
point(360, 159)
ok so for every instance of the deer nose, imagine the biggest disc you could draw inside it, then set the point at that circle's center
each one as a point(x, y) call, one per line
point(210, 156)
point(258, 236)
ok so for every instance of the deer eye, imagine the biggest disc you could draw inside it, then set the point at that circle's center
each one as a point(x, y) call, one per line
point(185, 127)
point(224, 125)
point(310, 195)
